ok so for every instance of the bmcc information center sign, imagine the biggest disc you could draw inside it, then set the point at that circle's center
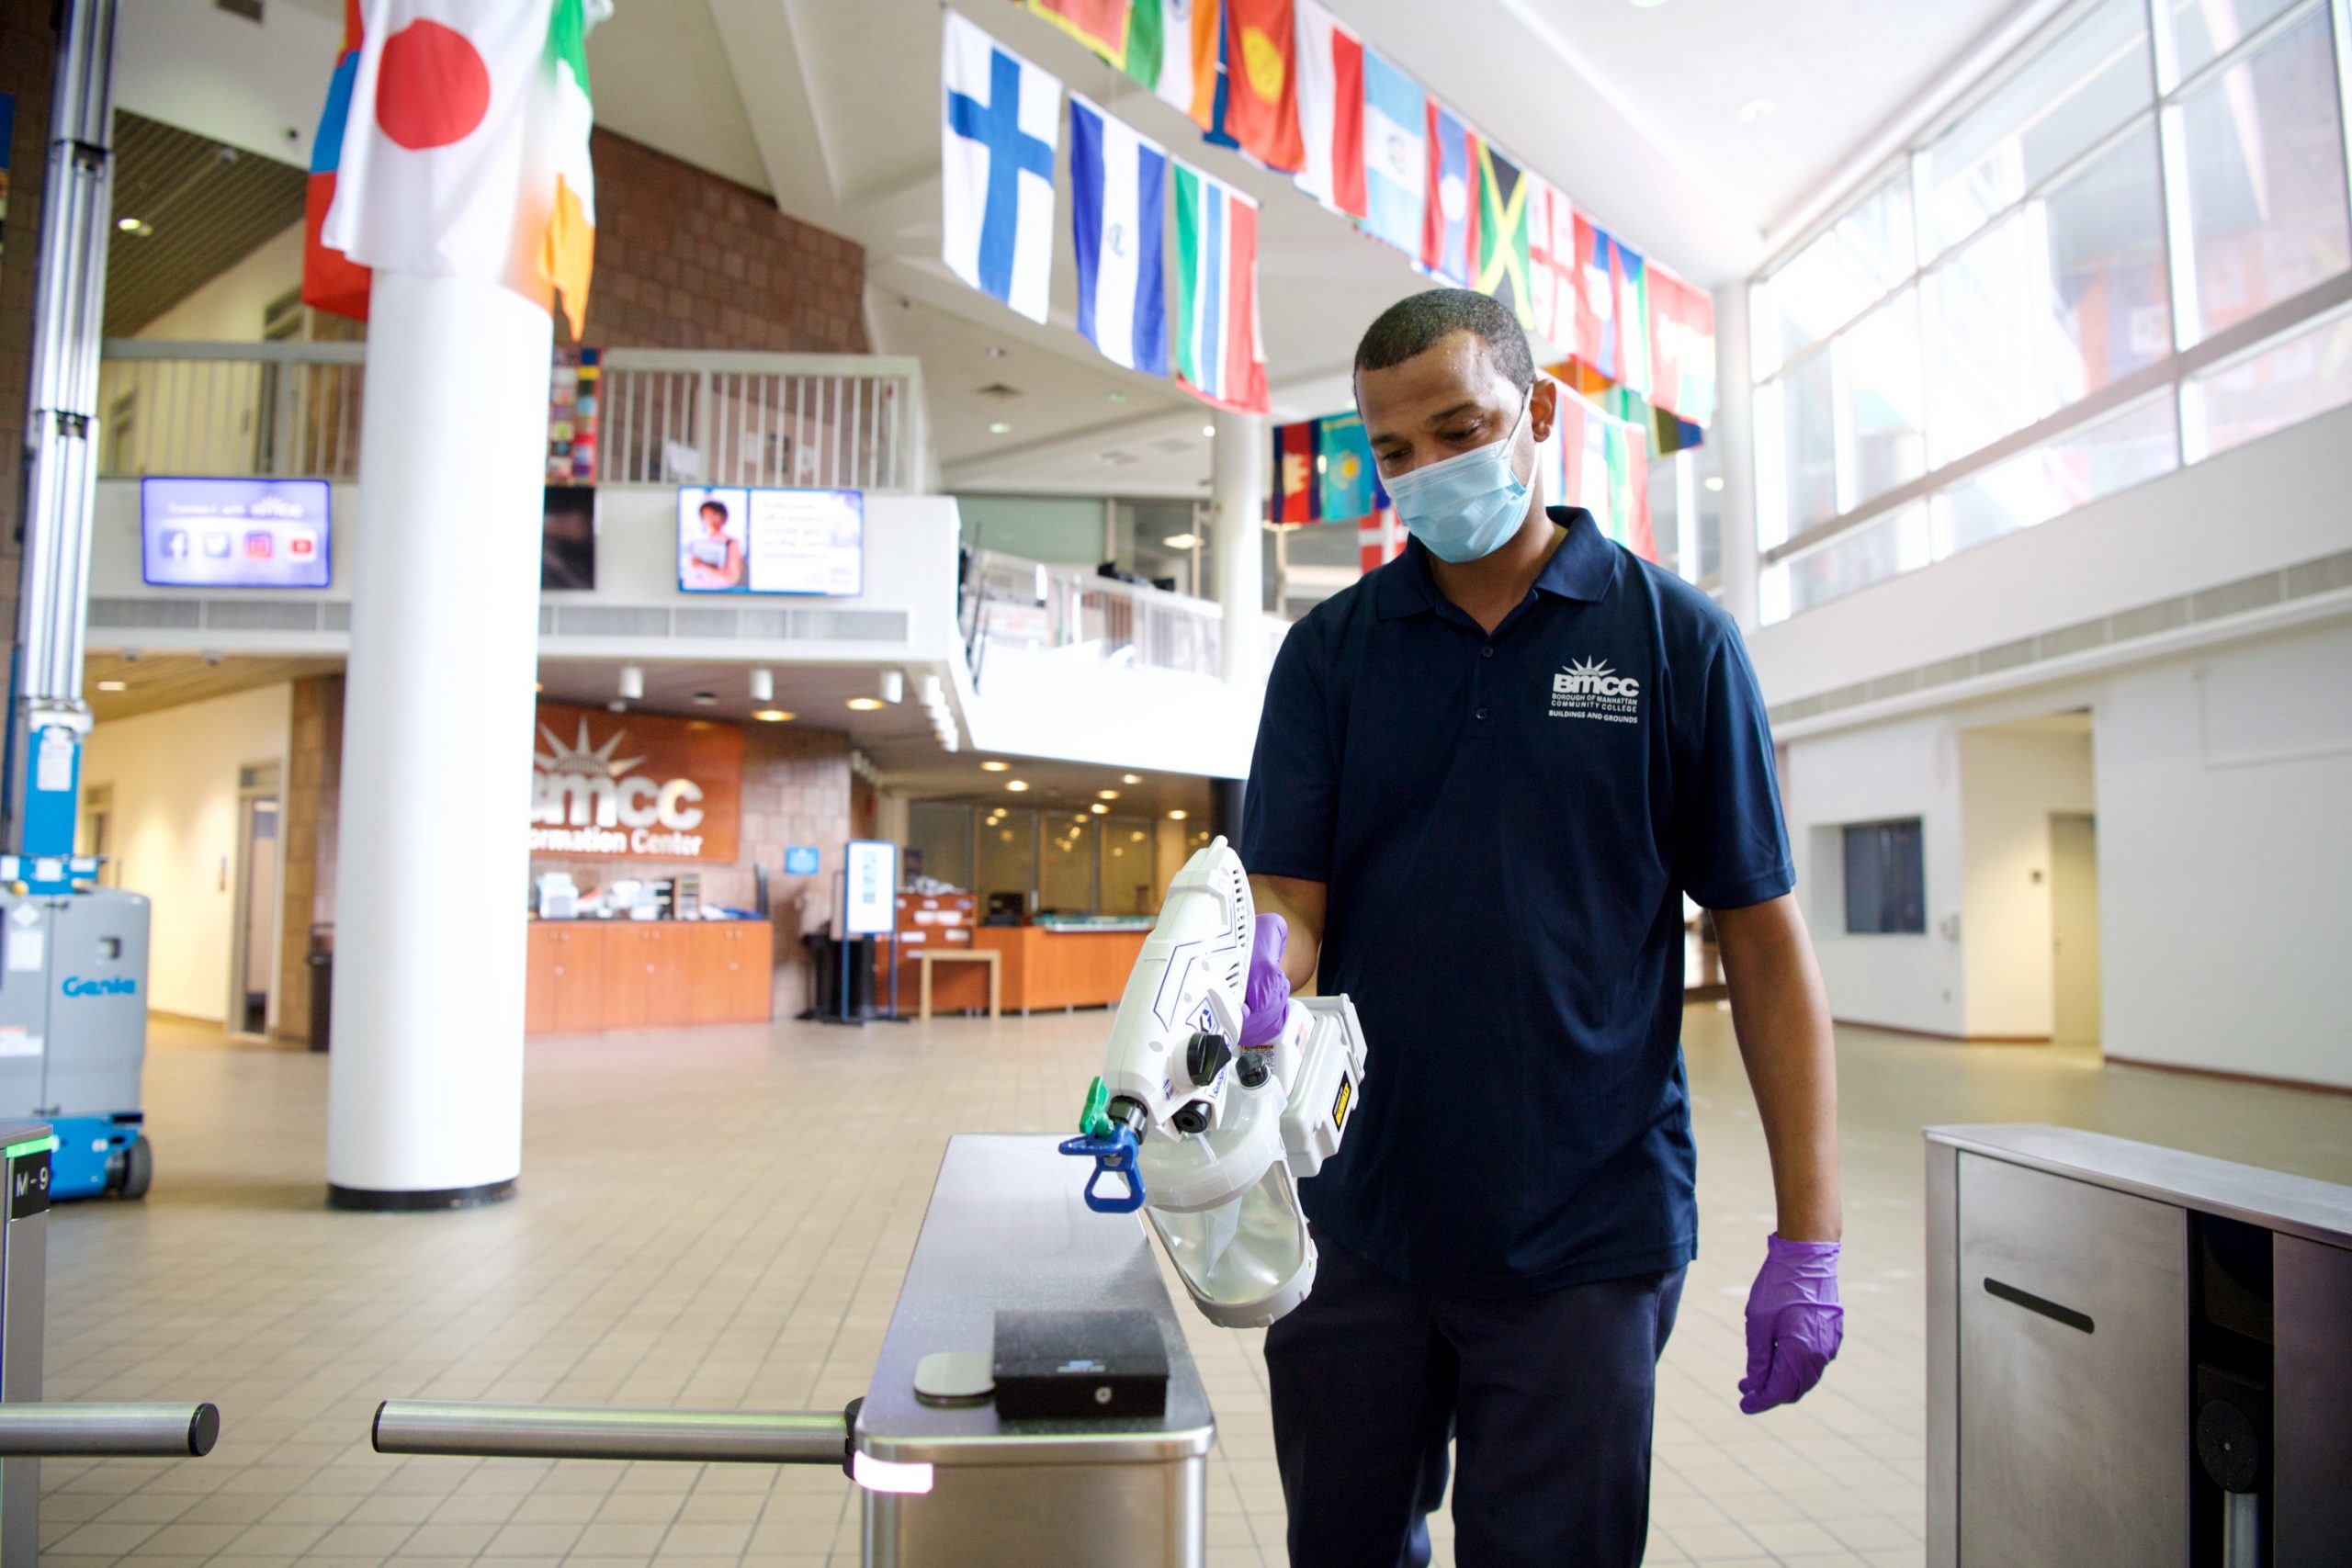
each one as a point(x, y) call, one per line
point(635, 786)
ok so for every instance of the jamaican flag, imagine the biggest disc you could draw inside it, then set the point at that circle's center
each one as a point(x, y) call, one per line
point(1506, 196)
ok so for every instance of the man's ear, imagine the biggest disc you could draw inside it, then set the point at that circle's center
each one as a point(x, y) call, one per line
point(1543, 408)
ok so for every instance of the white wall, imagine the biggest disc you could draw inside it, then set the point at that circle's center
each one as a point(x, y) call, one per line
point(2220, 780)
point(232, 307)
point(2225, 859)
point(1887, 772)
point(2270, 503)
point(2009, 785)
point(174, 774)
point(255, 85)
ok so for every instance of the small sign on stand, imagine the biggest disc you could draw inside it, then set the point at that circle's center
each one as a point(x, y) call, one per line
point(869, 907)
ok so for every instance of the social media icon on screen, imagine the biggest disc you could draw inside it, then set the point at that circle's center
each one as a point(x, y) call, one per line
point(175, 544)
point(216, 544)
point(301, 543)
point(260, 544)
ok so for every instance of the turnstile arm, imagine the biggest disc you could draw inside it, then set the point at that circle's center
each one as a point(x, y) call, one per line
point(112, 1431)
point(538, 1431)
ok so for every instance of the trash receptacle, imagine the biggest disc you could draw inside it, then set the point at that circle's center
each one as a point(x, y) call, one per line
point(322, 962)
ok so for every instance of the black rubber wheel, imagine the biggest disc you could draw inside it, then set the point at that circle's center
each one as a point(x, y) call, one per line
point(138, 1169)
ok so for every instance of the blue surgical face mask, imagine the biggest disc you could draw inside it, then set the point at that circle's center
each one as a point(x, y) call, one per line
point(1469, 505)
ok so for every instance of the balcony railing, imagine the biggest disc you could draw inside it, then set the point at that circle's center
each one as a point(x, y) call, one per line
point(292, 411)
point(1069, 610)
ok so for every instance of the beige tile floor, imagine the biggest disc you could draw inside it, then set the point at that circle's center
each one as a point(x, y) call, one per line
point(720, 1217)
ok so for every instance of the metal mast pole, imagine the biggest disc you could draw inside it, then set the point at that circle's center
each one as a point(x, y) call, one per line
point(61, 454)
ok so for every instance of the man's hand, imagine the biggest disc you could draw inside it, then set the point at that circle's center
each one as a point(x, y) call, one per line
point(1265, 998)
point(1794, 1324)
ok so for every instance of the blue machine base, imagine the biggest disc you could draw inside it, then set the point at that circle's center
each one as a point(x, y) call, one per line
point(91, 1152)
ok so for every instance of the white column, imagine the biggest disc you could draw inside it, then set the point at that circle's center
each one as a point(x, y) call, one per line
point(425, 1083)
point(1734, 433)
point(1237, 503)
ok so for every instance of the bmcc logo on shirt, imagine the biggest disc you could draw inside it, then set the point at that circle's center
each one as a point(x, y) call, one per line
point(1592, 688)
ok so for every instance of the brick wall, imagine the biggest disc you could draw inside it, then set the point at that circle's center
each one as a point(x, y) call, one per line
point(28, 58)
point(309, 814)
point(685, 259)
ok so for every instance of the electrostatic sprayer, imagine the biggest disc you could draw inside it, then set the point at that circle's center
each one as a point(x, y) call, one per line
point(1209, 1137)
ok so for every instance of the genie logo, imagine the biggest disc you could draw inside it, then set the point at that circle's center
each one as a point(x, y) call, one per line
point(112, 986)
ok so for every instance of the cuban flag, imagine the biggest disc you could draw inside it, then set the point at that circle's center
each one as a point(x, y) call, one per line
point(999, 118)
point(1396, 154)
point(1118, 191)
point(1220, 357)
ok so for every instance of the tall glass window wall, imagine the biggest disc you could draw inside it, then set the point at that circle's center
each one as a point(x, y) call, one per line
point(2132, 250)
point(1060, 861)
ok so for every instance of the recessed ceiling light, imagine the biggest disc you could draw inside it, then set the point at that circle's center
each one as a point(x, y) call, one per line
point(864, 704)
point(706, 699)
point(1755, 109)
point(539, 685)
point(1099, 808)
point(1647, 4)
point(113, 687)
point(1176, 816)
point(999, 427)
point(1209, 431)
point(1016, 786)
point(772, 716)
point(138, 226)
point(1131, 778)
point(1182, 541)
point(996, 767)
point(1107, 794)
point(617, 706)
point(1716, 482)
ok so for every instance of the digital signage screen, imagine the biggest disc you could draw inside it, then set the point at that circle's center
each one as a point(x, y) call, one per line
point(772, 541)
point(234, 532)
point(568, 537)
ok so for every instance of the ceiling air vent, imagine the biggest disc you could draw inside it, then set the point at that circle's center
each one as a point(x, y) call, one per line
point(1174, 446)
point(996, 390)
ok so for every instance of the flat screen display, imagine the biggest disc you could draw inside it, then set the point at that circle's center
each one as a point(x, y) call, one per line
point(568, 537)
point(772, 541)
point(236, 532)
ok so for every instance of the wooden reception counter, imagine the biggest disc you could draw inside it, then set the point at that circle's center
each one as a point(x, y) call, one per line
point(592, 975)
point(1043, 966)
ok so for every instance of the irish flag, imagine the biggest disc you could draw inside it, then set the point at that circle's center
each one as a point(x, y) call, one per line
point(464, 146)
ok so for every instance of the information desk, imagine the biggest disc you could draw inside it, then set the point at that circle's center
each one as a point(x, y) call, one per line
point(592, 975)
point(1048, 968)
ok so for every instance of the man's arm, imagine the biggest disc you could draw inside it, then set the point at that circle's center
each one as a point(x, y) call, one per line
point(1300, 904)
point(1782, 1016)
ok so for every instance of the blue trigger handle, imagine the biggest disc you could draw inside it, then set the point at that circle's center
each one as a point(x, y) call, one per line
point(1114, 1153)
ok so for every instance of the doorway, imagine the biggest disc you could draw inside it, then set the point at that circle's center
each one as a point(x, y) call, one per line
point(2074, 928)
point(253, 957)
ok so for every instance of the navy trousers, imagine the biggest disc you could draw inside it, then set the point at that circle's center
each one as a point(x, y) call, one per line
point(1548, 1399)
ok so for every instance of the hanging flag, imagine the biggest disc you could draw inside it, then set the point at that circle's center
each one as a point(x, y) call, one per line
point(1331, 110)
point(1629, 278)
point(1296, 491)
point(1505, 191)
point(996, 158)
point(1378, 539)
point(1543, 279)
point(1118, 191)
point(1396, 154)
point(433, 168)
point(1147, 43)
point(1262, 81)
point(1349, 483)
point(1100, 25)
point(1450, 230)
point(1682, 349)
point(1594, 347)
point(1552, 267)
point(1629, 490)
point(1220, 357)
point(330, 281)
point(561, 175)
point(1603, 464)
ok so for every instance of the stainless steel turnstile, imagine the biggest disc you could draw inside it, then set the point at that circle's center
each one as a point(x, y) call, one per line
point(29, 1429)
point(944, 1485)
point(2136, 1357)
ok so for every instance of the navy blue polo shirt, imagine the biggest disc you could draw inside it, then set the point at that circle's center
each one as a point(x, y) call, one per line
point(1506, 825)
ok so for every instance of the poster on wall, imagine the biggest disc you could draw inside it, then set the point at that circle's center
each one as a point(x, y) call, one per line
point(872, 876)
point(234, 532)
point(572, 414)
point(732, 540)
point(635, 786)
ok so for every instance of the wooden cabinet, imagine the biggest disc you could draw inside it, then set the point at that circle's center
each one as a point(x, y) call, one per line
point(587, 975)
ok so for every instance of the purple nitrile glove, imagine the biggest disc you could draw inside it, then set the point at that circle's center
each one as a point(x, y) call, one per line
point(1265, 998)
point(1794, 1324)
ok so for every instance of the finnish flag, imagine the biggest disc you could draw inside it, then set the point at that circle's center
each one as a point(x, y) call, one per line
point(996, 157)
point(1118, 193)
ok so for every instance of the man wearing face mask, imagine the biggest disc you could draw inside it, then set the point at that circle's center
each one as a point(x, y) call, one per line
point(1486, 777)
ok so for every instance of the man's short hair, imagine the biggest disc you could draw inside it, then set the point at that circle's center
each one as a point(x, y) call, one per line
point(1415, 324)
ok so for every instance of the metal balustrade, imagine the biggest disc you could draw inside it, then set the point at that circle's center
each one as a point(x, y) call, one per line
point(1071, 610)
point(292, 411)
